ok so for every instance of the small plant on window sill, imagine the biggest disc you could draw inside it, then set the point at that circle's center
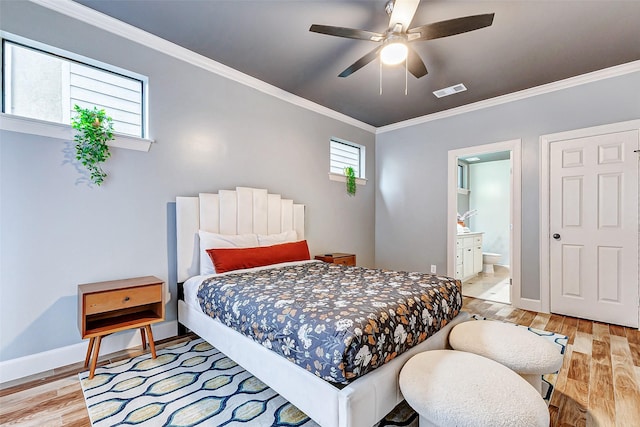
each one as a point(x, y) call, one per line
point(94, 129)
point(351, 180)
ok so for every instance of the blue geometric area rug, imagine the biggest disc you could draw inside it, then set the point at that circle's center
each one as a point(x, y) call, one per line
point(188, 384)
point(194, 384)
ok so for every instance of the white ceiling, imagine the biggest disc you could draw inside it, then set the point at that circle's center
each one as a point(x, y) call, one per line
point(530, 43)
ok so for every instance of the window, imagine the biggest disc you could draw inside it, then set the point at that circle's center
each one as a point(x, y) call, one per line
point(45, 83)
point(343, 154)
point(463, 169)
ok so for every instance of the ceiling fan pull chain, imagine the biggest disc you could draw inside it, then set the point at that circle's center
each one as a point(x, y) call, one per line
point(380, 77)
point(406, 76)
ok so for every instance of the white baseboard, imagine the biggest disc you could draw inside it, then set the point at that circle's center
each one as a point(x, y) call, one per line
point(530, 304)
point(47, 360)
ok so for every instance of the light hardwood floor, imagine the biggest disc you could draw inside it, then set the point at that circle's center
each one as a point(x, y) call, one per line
point(598, 385)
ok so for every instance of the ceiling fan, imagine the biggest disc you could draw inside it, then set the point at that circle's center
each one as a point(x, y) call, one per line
point(394, 44)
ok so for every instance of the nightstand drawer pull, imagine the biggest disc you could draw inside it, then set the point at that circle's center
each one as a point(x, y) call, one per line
point(126, 299)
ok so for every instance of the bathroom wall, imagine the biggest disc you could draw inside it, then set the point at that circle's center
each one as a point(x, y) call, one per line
point(463, 203)
point(489, 185)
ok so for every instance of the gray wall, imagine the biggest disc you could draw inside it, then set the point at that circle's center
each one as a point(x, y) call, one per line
point(210, 134)
point(411, 168)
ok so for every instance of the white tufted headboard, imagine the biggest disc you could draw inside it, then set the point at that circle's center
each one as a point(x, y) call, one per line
point(240, 211)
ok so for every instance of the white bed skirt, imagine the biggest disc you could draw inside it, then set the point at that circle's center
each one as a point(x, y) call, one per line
point(362, 403)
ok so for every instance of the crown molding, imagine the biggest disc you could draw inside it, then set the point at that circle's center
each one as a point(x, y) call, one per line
point(615, 71)
point(122, 29)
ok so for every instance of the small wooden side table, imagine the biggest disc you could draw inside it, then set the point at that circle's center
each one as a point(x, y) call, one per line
point(118, 305)
point(338, 258)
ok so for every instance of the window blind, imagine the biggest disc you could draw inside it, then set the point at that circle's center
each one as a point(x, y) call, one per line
point(342, 155)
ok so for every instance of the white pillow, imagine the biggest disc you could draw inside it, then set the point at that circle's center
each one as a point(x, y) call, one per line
point(210, 240)
point(276, 239)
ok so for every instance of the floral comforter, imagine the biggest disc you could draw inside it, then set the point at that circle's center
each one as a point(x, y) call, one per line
point(336, 321)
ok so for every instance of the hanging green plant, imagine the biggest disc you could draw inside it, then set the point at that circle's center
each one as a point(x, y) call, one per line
point(95, 129)
point(351, 180)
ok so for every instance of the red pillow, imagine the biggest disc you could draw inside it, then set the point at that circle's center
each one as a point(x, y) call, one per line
point(229, 259)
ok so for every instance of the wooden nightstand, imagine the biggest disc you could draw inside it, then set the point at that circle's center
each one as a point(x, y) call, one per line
point(118, 305)
point(338, 258)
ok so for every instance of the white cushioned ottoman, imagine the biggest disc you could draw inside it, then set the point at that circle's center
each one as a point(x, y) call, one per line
point(521, 350)
point(450, 388)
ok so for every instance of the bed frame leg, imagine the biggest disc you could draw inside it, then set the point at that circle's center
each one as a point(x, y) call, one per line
point(182, 330)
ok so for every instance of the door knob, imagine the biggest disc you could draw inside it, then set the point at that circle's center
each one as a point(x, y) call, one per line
point(556, 236)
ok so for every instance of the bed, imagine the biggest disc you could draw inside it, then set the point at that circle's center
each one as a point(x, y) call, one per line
point(350, 399)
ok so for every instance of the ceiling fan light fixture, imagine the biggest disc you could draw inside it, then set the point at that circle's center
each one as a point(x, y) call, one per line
point(394, 53)
point(394, 48)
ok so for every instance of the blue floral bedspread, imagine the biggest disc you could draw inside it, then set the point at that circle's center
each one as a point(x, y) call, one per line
point(336, 321)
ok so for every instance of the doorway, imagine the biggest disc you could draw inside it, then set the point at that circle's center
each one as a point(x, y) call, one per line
point(483, 225)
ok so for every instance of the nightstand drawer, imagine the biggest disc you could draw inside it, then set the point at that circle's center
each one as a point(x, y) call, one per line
point(338, 258)
point(347, 260)
point(105, 301)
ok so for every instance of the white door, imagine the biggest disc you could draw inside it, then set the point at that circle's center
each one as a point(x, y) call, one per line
point(594, 227)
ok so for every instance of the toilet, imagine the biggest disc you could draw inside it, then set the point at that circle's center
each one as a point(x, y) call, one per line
point(488, 260)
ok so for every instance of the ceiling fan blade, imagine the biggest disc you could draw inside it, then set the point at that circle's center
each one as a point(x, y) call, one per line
point(361, 62)
point(346, 32)
point(451, 27)
point(415, 64)
point(403, 12)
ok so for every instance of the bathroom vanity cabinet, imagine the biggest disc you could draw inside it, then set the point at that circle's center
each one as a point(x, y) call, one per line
point(468, 255)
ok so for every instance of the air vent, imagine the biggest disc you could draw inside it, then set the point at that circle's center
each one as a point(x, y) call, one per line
point(450, 90)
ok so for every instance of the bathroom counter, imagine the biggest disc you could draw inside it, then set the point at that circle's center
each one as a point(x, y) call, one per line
point(470, 233)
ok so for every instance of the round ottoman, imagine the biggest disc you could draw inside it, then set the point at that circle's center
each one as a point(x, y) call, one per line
point(521, 350)
point(453, 388)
